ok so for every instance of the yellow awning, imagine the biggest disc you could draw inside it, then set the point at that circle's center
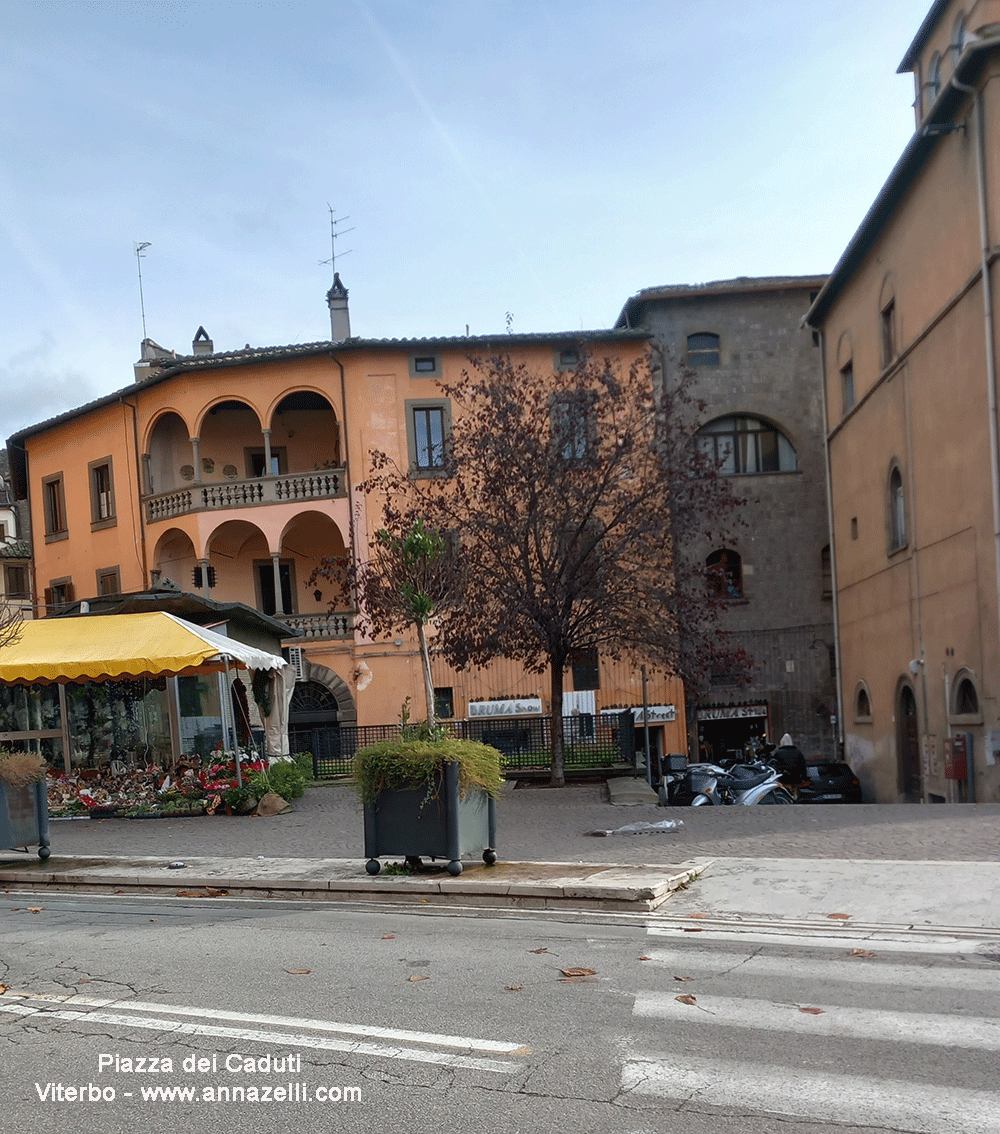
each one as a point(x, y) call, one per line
point(108, 647)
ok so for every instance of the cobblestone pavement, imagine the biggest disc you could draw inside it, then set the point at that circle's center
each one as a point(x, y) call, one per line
point(551, 825)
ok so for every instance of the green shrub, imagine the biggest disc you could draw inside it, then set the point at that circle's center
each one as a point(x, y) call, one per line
point(391, 765)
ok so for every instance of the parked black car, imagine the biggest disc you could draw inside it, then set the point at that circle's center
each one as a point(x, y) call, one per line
point(830, 781)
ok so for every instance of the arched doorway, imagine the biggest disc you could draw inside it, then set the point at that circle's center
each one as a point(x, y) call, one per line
point(313, 725)
point(908, 746)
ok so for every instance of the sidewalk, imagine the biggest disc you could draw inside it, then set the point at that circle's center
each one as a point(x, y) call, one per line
point(905, 866)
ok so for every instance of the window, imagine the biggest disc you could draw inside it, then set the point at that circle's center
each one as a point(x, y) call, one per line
point(847, 386)
point(862, 705)
point(256, 463)
point(102, 494)
point(109, 581)
point(966, 699)
point(265, 586)
point(958, 38)
point(54, 505)
point(198, 577)
point(826, 572)
point(571, 427)
point(888, 332)
point(568, 358)
point(428, 425)
point(425, 366)
point(15, 581)
point(58, 595)
point(854, 527)
point(586, 669)
point(703, 349)
point(725, 573)
point(932, 87)
point(897, 511)
point(444, 702)
point(741, 445)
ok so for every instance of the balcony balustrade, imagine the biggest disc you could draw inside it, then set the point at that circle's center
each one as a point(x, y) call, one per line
point(313, 627)
point(324, 484)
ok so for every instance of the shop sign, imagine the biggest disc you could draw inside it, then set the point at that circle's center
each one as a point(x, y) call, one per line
point(731, 712)
point(521, 707)
point(657, 713)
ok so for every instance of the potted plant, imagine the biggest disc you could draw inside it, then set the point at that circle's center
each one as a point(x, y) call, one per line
point(428, 794)
point(24, 809)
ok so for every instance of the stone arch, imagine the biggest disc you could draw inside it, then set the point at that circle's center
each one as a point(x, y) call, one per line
point(347, 710)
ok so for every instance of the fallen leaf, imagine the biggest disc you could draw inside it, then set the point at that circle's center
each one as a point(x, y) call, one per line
point(840, 916)
point(687, 998)
point(645, 958)
point(117, 891)
point(578, 972)
point(388, 937)
point(216, 893)
point(34, 909)
point(683, 978)
point(3, 988)
point(190, 894)
point(692, 929)
point(697, 915)
point(418, 976)
point(543, 950)
point(812, 1011)
point(512, 988)
point(152, 919)
point(83, 982)
point(861, 953)
point(298, 972)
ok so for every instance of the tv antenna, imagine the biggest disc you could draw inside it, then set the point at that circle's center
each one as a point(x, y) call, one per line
point(140, 253)
point(336, 231)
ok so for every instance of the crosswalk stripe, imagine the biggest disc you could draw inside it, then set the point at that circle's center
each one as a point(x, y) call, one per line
point(817, 937)
point(916, 1108)
point(834, 1021)
point(859, 971)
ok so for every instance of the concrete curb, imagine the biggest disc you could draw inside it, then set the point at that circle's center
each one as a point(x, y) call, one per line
point(528, 885)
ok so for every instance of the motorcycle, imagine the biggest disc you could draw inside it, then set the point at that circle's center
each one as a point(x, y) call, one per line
point(700, 785)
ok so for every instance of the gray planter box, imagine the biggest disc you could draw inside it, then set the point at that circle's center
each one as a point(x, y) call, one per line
point(445, 826)
point(24, 817)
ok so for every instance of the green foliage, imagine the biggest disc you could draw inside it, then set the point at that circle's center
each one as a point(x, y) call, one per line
point(239, 798)
point(285, 778)
point(392, 765)
point(419, 730)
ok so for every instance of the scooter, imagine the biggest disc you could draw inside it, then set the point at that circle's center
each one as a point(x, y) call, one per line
point(700, 785)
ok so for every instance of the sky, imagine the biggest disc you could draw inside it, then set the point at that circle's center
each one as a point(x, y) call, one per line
point(529, 163)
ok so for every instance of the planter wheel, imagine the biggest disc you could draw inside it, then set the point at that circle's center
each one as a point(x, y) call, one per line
point(373, 866)
point(489, 856)
point(454, 868)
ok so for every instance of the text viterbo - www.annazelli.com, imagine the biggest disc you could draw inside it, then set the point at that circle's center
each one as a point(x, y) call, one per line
point(290, 1092)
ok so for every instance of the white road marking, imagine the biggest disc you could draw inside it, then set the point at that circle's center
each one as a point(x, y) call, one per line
point(861, 970)
point(462, 1043)
point(917, 1108)
point(852, 1023)
point(256, 1035)
point(819, 938)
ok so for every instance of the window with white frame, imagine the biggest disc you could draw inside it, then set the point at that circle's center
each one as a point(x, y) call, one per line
point(742, 445)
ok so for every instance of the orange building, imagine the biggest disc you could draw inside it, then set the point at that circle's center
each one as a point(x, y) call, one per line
point(908, 320)
point(232, 473)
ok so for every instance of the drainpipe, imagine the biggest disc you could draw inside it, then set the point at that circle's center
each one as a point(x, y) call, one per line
point(988, 330)
point(838, 682)
point(347, 460)
point(143, 561)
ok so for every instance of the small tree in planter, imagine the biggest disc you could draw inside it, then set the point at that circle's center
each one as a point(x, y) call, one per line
point(24, 810)
point(428, 794)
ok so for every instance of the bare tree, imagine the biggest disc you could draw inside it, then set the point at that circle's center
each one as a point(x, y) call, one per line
point(577, 498)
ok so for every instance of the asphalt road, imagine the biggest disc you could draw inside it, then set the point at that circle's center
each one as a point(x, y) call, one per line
point(444, 1024)
point(551, 825)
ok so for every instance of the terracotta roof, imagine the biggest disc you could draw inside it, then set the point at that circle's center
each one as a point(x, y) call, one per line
point(16, 549)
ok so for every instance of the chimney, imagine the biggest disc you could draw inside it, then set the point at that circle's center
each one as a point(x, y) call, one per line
point(152, 359)
point(201, 344)
point(340, 317)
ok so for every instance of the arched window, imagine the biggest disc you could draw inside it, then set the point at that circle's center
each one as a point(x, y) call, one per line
point(862, 705)
point(703, 349)
point(897, 511)
point(742, 445)
point(958, 36)
point(966, 698)
point(725, 573)
point(932, 87)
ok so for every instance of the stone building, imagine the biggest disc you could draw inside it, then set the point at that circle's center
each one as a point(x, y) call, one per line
point(757, 373)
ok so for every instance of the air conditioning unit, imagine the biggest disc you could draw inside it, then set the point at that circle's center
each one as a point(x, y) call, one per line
point(297, 660)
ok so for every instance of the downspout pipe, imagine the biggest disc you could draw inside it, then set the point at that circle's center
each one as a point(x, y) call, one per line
point(143, 561)
point(988, 328)
point(838, 680)
point(347, 456)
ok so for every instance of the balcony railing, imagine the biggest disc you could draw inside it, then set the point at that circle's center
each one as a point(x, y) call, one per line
point(339, 624)
point(325, 484)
